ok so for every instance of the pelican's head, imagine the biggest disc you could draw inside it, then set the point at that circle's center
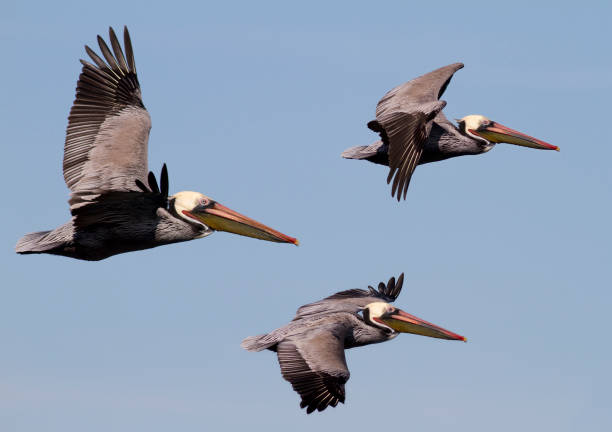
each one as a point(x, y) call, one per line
point(394, 320)
point(204, 211)
point(490, 133)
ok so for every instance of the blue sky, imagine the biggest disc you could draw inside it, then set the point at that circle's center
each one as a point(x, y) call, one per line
point(252, 104)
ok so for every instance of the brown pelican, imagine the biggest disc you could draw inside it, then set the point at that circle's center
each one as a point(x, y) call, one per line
point(414, 130)
point(105, 167)
point(311, 348)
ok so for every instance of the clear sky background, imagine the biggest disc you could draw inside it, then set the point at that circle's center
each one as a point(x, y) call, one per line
point(252, 104)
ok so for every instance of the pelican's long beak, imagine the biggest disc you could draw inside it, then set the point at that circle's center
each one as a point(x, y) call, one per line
point(403, 322)
point(221, 218)
point(498, 133)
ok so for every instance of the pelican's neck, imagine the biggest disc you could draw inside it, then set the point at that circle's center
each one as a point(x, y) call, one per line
point(364, 334)
point(444, 143)
point(171, 228)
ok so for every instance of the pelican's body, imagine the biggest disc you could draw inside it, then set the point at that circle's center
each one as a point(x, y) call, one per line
point(127, 225)
point(311, 348)
point(414, 130)
point(105, 167)
point(115, 223)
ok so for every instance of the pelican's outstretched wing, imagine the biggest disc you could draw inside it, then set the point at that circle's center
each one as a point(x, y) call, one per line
point(316, 367)
point(108, 126)
point(353, 299)
point(404, 118)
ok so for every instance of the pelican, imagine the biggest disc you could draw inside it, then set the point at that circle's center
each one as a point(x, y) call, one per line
point(414, 130)
point(116, 207)
point(311, 348)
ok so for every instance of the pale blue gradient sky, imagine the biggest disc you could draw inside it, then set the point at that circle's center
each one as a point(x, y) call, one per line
point(252, 104)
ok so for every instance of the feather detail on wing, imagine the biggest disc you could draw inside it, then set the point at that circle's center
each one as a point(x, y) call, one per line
point(108, 126)
point(354, 299)
point(316, 368)
point(404, 118)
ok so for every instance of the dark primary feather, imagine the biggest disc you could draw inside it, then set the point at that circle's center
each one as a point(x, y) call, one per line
point(165, 184)
point(153, 183)
point(391, 290)
point(108, 126)
point(118, 52)
point(129, 52)
point(142, 186)
point(161, 193)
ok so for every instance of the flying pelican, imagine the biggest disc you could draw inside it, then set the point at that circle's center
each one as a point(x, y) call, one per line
point(311, 348)
point(414, 130)
point(105, 167)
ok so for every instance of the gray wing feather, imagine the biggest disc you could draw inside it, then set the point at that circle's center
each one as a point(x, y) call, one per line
point(354, 299)
point(407, 133)
point(315, 366)
point(404, 118)
point(108, 126)
point(421, 90)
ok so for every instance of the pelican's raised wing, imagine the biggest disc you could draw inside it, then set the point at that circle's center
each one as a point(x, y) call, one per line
point(422, 90)
point(108, 126)
point(404, 118)
point(354, 299)
point(315, 366)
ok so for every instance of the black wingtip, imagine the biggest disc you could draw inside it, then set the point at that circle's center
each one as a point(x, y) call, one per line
point(153, 183)
point(165, 184)
point(123, 67)
point(161, 189)
point(392, 288)
point(374, 126)
point(129, 52)
point(141, 186)
point(95, 58)
point(390, 176)
point(400, 282)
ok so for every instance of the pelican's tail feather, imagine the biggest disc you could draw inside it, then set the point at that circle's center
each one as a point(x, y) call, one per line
point(52, 242)
point(37, 242)
point(376, 153)
point(259, 343)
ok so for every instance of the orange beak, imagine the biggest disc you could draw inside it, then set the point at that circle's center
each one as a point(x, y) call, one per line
point(498, 133)
point(403, 322)
point(221, 218)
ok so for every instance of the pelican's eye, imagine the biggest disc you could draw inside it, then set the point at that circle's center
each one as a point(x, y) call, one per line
point(204, 202)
